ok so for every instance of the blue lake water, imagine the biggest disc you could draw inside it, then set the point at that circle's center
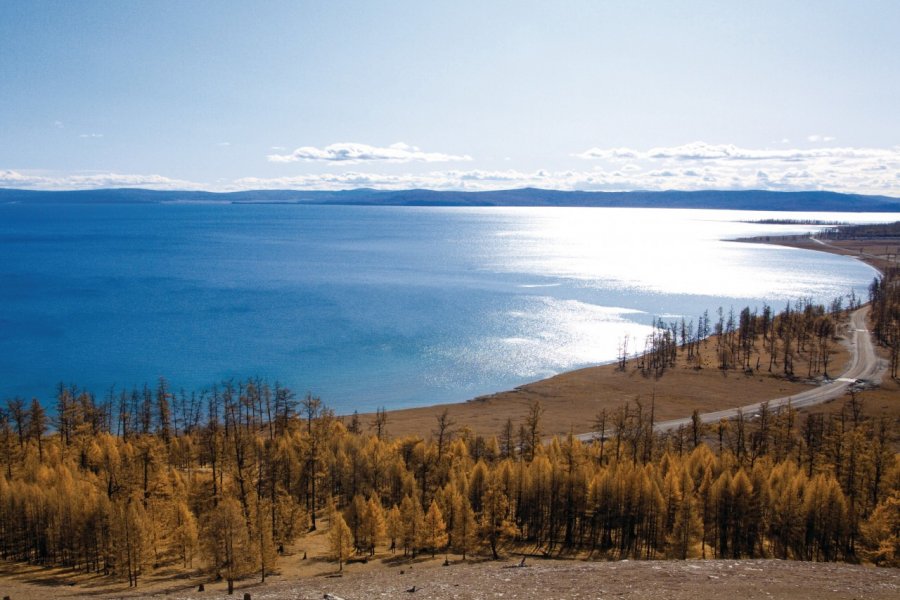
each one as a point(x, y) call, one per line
point(370, 306)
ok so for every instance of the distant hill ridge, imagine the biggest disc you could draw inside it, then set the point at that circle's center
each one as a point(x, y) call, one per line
point(710, 199)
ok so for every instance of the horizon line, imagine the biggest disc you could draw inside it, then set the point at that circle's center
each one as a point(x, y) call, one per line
point(441, 191)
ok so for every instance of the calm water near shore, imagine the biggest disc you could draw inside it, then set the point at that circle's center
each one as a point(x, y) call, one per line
point(371, 306)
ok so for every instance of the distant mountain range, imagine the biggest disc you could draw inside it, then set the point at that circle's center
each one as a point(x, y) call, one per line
point(735, 200)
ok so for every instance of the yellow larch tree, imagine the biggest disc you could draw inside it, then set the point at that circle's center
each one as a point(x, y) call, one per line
point(394, 522)
point(340, 540)
point(374, 527)
point(435, 529)
point(465, 526)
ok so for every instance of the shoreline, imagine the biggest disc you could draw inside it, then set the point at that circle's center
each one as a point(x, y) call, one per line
point(571, 400)
point(854, 249)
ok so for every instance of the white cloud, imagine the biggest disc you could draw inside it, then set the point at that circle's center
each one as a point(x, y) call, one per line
point(351, 153)
point(699, 151)
point(608, 153)
point(59, 124)
point(819, 138)
point(700, 165)
point(90, 135)
point(16, 179)
point(437, 180)
point(223, 144)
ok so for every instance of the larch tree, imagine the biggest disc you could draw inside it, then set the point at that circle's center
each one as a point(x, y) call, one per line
point(227, 543)
point(185, 536)
point(131, 539)
point(465, 526)
point(881, 532)
point(374, 526)
point(435, 529)
point(355, 516)
point(532, 430)
point(687, 526)
point(7, 444)
point(340, 540)
point(18, 416)
point(394, 522)
point(413, 522)
point(496, 528)
point(37, 425)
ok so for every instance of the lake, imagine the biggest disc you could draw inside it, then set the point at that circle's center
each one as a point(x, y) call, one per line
point(371, 306)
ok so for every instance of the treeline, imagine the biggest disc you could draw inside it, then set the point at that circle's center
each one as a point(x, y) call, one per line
point(750, 340)
point(884, 295)
point(869, 231)
point(795, 222)
point(263, 469)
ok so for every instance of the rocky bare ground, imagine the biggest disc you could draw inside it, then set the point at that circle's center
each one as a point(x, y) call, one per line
point(537, 580)
point(571, 579)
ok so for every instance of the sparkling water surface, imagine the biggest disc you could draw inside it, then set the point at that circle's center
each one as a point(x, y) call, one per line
point(371, 306)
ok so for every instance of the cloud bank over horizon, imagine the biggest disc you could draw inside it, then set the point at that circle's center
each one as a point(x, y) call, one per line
point(693, 166)
point(701, 151)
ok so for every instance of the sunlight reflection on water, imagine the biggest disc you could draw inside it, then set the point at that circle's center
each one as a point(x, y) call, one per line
point(671, 259)
point(665, 251)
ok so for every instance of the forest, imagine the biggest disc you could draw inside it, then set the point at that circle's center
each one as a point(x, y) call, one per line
point(229, 481)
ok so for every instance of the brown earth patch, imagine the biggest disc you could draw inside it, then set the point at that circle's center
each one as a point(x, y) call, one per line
point(541, 579)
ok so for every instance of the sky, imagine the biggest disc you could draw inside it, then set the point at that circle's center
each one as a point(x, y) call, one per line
point(593, 95)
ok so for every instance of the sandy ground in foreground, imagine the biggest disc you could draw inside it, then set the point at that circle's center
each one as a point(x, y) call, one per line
point(547, 579)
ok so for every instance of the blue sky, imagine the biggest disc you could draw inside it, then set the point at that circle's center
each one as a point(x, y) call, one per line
point(451, 95)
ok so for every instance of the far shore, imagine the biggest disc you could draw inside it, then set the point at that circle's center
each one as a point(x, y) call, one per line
point(875, 253)
point(571, 401)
